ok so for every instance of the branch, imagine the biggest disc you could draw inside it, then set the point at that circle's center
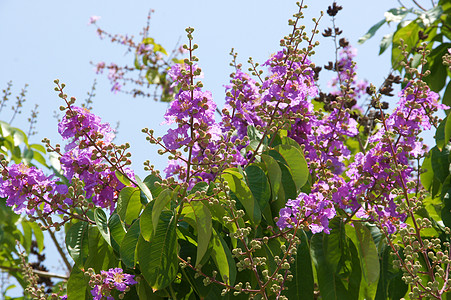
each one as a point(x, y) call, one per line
point(37, 272)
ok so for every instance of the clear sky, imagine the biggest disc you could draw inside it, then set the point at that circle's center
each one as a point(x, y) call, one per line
point(45, 40)
point(48, 39)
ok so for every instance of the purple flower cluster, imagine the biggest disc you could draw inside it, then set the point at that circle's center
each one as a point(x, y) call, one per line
point(193, 111)
point(114, 279)
point(83, 160)
point(27, 188)
point(242, 101)
point(79, 124)
point(313, 209)
point(372, 178)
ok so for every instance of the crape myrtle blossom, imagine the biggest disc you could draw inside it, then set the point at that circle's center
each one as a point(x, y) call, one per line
point(242, 101)
point(372, 178)
point(27, 189)
point(113, 279)
point(313, 209)
point(87, 134)
point(292, 91)
point(193, 112)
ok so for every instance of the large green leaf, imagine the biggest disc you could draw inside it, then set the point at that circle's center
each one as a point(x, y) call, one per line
point(143, 188)
point(296, 162)
point(428, 176)
point(128, 245)
point(446, 99)
point(440, 162)
point(259, 185)
point(274, 174)
point(129, 204)
point(101, 255)
point(77, 242)
point(437, 78)
point(146, 223)
point(77, 285)
point(244, 195)
point(390, 284)
point(150, 181)
point(158, 258)
point(222, 256)
point(38, 234)
point(160, 203)
point(369, 259)
point(302, 285)
point(201, 216)
point(446, 199)
point(337, 264)
point(117, 231)
point(102, 224)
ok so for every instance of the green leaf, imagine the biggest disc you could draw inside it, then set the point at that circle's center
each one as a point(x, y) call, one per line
point(302, 285)
point(274, 174)
point(160, 203)
point(117, 231)
point(77, 242)
point(409, 34)
point(38, 234)
point(447, 130)
point(129, 204)
point(202, 218)
point(38, 147)
point(427, 176)
point(143, 188)
point(146, 223)
point(371, 32)
point(128, 245)
point(223, 258)
point(437, 78)
point(150, 181)
point(446, 99)
point(390, 284)
point(440, 162)
point(259, 185)
point(102, 224)
point(27, 233)
point(101, 255)
point(296, 162)
point(446, 199)
point(244, 195)
point(158, 259)
point(337, 263)
point(440, 135)
point(77, 285)
point(369, 259)
point(123, 179)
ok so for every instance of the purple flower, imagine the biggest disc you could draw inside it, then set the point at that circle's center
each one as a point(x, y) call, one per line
point(26, 188)
point(79, 122)
point(114, 279)
point(119, 279)
point(116, 87)
point(241, 104)
point(312, 209)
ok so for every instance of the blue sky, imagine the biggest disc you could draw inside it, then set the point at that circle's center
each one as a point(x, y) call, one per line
point(44, 40)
